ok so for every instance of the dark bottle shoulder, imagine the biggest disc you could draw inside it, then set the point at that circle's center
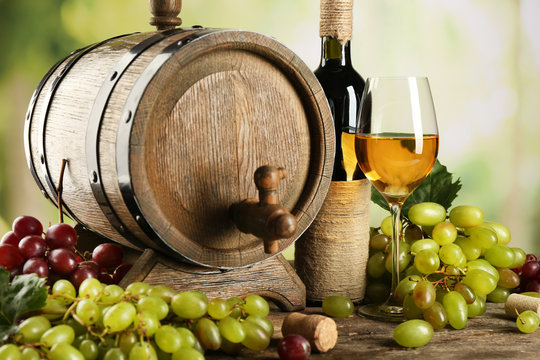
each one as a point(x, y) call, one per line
point(343, 76)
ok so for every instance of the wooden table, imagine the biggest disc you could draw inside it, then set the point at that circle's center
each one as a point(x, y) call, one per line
point(490, 336)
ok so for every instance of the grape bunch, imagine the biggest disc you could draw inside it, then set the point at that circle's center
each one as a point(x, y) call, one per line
point(450, 265)
point(26, 249)
point(101, 321)
point(529, 274)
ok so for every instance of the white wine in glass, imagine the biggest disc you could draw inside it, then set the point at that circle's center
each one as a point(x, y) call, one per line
point(396, 145)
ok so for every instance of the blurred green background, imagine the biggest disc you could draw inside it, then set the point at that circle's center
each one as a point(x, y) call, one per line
point(482, 58)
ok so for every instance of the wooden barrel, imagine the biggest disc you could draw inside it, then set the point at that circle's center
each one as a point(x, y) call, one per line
point(163, 131)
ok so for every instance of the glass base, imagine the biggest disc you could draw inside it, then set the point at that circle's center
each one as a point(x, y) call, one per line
point(382, 312)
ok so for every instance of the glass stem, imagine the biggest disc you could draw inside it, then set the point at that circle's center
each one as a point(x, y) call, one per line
point(396, 213)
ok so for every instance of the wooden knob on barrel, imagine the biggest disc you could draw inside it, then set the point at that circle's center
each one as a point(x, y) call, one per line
point(265, 218)
point(165, 13)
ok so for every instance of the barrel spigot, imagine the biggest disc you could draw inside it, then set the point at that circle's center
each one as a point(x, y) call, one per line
point(265, 218)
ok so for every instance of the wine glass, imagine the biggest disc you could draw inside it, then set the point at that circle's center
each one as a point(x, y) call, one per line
point(396, 145)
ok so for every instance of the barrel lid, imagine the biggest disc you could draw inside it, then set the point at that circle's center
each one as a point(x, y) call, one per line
point(203, 116)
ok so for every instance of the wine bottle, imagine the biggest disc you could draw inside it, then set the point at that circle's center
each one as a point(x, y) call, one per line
point(331, 256)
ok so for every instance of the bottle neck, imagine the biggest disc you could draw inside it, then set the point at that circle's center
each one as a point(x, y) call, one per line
point(335, 53)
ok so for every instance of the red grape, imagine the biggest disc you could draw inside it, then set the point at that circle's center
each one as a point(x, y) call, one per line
point(294, 347)
point(108, 255)
point(14, 272)
point(10, 256)
point(27, 225)
point(94, 266)
point(10, 238)
point(62, 261)
point(531, 257)
point(120, 272)
point(36, 265)
point(80, 274)
point(32, 246)
point(61, 236)
point(533, 285)
point(530, 269)
point(105, 277)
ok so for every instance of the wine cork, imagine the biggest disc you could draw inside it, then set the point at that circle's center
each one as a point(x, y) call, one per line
point(521, 303)
point(336, 19)
point(320, 331)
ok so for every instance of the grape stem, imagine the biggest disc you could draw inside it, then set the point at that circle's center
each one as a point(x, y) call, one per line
point(59, 190)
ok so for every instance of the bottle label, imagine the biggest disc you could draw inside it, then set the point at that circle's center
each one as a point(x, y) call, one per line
point(336, 19)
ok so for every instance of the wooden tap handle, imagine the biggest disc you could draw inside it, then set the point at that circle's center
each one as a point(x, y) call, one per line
point(165, 13)
point(265, 218)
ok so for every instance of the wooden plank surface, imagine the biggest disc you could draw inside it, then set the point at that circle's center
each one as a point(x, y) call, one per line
point(490, 336)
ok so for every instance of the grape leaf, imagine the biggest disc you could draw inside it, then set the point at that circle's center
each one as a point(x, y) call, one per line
point(438, 187)
point(25, 293)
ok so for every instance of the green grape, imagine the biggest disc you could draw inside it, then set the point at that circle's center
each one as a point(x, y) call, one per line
point(427, 214)
point(456, 309)
point(424, 294)
point(482, 237)
point(138, 288)
point(436, 315)
point(531, 293)
point(527, 322)
point(439, 295)
point(162, 291)
point(465, 291)
point(263, 322)
point(480, 281)
point(189, 305)
point(466, 216)
point(142, 351)
point(444, 233)
point(58, 334)
point(404, 257)
point(451, 254)
point(218, 308)
point(154, 304)
point(256, 305)
point(63, 351)
point(77, 327)
point(88, 311)
point(90, 288)
point(485, 266)
point(235, 304)
point(405, 287)
point(10, 352)
point(379, 242)
point(188, 339)
point(508, 278)
point(477, 308)
point(386, 226)
point(413, 333)
point(452, 270)
point(147, 323)
point(410, 310)
point(231, 348)
point(53, 309)
point(470, 250)
point(111, 294)
point(256, 337)
point(126, 341)
point(337, 306)
point(119, 316)
point(499, 295)
point(168, 339)
point(30, 354)
point(208, 334)
point(427, 261)
point(412, 233)
point(424, 244)
point(232, 330)
point(499, 256)
point(519, 258)
point(89, 349)
point(375, 265)
point(187, 354)
point(503, 234)
point(64, 287)
point(103, 347)
point(32, 328)
point(115, 354)
point(427, 230)
point(161, 355)
point(377, 291)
